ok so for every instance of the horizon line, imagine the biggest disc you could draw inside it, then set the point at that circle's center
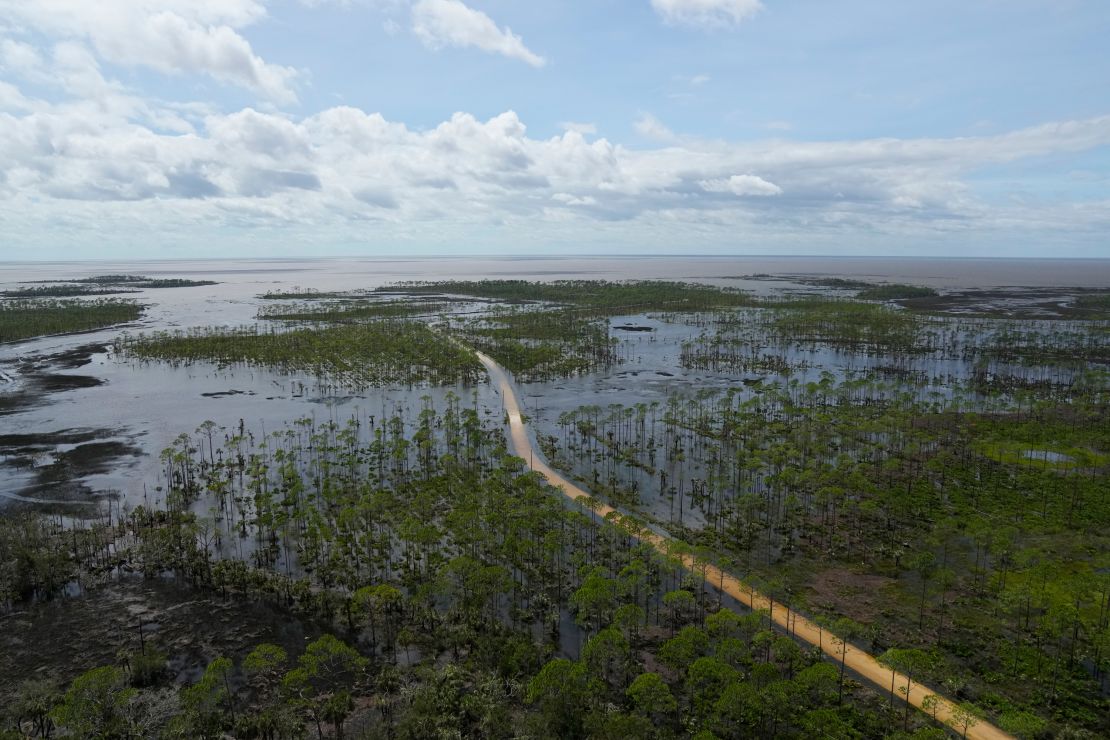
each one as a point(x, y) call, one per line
point(541, 256)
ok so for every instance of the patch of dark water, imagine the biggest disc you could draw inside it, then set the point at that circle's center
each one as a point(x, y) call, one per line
point(61, 383)
point(53, 468)
point(332, 400)
point(28, 378)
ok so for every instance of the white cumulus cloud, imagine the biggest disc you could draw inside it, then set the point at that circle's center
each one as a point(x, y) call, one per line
point(651, 127)
point(706, 13)
point(441, 23)
point(741, 185)
point(171, 36)
point(104, 164)
point(586, 129)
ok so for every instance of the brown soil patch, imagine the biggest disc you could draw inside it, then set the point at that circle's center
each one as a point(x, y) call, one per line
point(855, 595)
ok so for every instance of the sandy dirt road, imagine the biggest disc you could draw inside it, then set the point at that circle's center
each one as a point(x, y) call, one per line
point(861, 662)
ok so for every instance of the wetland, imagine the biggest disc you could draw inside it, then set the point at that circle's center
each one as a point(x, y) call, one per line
point(851, 499)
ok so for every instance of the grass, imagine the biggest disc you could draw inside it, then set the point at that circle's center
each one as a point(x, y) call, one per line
point(347, 312)
point(600, 295)
point(27, 319)
point(1093, 305)
point(63, 291)
point(1095, 300)
point(936, 529)
point(568, 334)
point(846, 323)
point(1012, 452)
point(141, 281)
point(1081, 442)
point(306, 294)
point(540, 344)
point(357, 355)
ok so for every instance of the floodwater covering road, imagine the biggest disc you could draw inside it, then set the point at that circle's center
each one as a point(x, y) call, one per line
point(861, 662)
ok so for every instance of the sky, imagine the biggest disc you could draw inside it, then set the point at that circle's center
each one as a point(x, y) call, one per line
point(244, 128)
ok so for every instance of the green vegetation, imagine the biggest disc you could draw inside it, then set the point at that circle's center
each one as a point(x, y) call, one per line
point(1005, 354)
point(859, 326)
point(100, 285)
point(568, 333)
point(63, 291)
point(170, 283)
point(1093, 306)
point(837, 283)
point(610, 297)
point(930, 489)
point(925, 518)
point(392, 352)
point(26, 319)
point(141, 281)
point(1094, 300)
point(1078, 343)
point(306, 294)
point(351, 311)
point(865, 290)
point(538, 344)
point(440, 574)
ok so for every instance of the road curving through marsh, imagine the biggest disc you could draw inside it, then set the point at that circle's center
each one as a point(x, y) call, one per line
point(860, 661)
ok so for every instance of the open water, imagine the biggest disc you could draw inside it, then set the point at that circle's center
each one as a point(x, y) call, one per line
point(71, 410)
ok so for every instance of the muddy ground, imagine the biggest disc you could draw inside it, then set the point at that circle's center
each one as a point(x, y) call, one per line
point(60, 639)
point(43, 375)
point(1010, 303)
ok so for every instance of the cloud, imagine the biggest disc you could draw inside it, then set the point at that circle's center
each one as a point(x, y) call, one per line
point(442, 23)
point(111, 165)
point(586, 129)
point(574, 200)
point(706, 13)
point(651, 127)
point(260, 183)
point(376, 197)
point(741, 185)
point(18, 57)
point(13, 99)
point(170, 36)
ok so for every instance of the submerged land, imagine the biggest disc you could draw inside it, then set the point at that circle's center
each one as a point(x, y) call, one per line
point(781, 506)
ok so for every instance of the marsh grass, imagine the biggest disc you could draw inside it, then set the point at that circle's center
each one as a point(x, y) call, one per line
point(64, 291)
point(380, 353)
point(350, 311)
point(32, 318)
point(141, 281)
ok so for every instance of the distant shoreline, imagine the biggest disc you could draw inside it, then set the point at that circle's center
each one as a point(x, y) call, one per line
point(746, 272)
point(554, 257)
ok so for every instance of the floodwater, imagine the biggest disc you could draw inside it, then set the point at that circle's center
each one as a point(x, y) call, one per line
point(77, 422)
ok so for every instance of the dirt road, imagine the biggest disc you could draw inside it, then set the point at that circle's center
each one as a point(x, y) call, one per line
point(863, 663)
